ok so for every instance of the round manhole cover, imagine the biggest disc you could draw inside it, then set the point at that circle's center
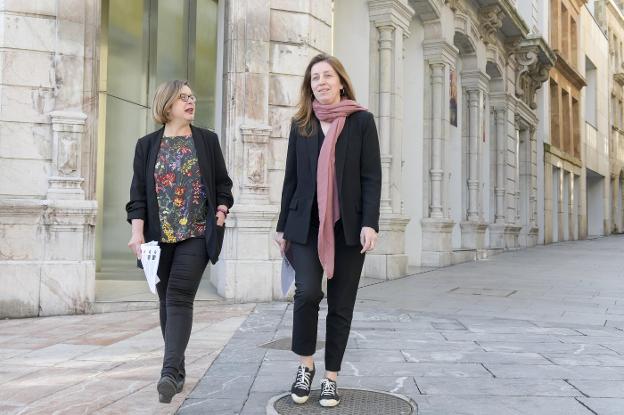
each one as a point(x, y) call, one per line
point(352, 402)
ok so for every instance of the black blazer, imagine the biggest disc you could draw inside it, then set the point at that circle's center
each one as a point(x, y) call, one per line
point(358, 172)
point(143, 203)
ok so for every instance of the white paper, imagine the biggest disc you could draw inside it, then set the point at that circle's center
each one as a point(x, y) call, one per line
point(150, 256)
point(288, 274)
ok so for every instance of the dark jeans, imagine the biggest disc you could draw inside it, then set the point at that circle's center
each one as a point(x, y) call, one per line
point(341, 294)
point(180, 270)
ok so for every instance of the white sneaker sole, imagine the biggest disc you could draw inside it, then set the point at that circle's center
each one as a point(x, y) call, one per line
point(299, 399)
point(329, 403)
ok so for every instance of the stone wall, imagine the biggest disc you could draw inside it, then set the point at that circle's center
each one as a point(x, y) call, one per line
point(46, 223)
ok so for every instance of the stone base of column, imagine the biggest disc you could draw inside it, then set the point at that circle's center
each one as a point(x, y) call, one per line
point(48, 266)
point(437, 245)
point(507, 236)
point(249, 264)
point(497, 235)
point(473, 235)
point(388, 260)
point(528, 237)
point(512, 236)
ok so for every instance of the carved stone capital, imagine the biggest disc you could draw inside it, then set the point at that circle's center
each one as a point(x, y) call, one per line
point(394, 13)
point(491, 18)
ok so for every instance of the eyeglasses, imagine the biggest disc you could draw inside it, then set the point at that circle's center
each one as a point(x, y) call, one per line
point(188, 98)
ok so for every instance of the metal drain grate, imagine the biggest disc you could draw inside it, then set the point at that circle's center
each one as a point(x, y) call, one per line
point(352, 402)
point(285, 342)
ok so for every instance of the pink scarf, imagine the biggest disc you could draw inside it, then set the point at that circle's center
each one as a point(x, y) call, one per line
point(326, 181)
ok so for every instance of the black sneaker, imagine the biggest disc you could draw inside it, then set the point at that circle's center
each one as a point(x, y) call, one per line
point(300, 390)
point(329, 393)
point(166, 389)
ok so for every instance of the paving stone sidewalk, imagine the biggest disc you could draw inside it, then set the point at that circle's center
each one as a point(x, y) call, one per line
point(537, 331)
point(103, 363)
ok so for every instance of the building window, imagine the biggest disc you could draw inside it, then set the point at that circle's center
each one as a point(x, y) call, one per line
point(555, 127)
point(573, 43)
point(591, 104)
point(554, 18)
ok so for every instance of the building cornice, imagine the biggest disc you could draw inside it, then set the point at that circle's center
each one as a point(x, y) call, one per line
point(569, 72)
point(512, 24)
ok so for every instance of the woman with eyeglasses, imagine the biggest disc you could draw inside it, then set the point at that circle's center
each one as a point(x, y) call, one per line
point(180, 196)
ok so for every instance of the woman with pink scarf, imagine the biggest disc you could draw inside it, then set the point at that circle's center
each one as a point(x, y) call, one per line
point(329, 215)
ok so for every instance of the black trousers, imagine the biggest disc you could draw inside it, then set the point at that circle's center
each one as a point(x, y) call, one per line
point(341, 294)
point(180, 270)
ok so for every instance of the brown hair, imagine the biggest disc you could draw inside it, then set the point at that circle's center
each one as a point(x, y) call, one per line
point(166, 94)
point(303, 117)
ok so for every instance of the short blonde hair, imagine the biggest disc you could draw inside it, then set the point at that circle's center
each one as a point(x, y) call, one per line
point(166, 94)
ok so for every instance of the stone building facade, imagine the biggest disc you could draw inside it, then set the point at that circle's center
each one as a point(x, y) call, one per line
point(611, 19)
point(455, 86)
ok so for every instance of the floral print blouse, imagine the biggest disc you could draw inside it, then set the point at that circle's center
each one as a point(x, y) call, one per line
point(179, 190)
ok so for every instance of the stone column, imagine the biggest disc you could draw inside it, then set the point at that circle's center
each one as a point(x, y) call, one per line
point(497, 229)
point(501, 150)
point(244, 271)
point(533, 228)
point(474, 97)
point(548, 198)
point(437, 226)
point(473, 228)
point(560, 184)
point(389, 24)
point(436, 173)
point(571, 207)
point(385, 112)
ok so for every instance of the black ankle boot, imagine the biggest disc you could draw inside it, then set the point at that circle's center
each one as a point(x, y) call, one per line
point(167, 387)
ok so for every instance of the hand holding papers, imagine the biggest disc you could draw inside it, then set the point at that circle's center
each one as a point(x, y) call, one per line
point(150, 256)
point(288, 272)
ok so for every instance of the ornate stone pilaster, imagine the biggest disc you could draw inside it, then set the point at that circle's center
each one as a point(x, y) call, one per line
point(67, 130)
point(68, 222)
point(437, 227)
point(255, 183)
point(436, 173)
point(501, 136)
point(473, 227)
point(389, 25)
point(474, 98)
point(246, 268)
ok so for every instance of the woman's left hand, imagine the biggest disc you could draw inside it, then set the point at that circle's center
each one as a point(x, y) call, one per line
point(368, 238)
point(220, 218)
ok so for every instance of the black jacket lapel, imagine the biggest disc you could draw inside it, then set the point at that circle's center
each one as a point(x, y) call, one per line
point(150, 182)
point(341, 153)
point(313, 148)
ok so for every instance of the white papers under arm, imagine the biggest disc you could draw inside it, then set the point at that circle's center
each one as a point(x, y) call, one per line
point(150, 257)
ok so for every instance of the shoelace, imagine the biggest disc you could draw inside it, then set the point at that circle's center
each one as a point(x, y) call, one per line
point(329, 388)
point(303, 379)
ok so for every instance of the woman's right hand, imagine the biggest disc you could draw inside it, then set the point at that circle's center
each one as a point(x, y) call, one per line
point(282, 243)
point(135, 244)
